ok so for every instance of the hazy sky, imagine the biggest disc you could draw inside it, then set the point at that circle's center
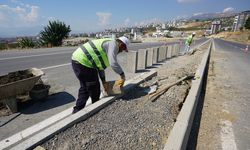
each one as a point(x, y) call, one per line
point(27, 17)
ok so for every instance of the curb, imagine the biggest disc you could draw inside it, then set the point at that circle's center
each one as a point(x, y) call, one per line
point(5, 143)
point(32, 139)
point(179, 134)
point(200, 44)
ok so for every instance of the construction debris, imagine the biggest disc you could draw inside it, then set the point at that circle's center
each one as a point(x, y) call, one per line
point(164, 88)
point(151, 89)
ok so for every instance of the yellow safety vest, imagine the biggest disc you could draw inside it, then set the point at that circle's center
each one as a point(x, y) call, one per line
point(92, 55)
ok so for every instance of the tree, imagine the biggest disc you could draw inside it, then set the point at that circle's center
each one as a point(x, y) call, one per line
point(247, 25)
point(54, 33)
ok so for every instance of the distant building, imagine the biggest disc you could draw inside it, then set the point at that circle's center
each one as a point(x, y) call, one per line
point(216, 27)
point(240, 20)
point(163, 26)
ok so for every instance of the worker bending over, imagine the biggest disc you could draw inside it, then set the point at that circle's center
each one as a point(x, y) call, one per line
point(90, 60)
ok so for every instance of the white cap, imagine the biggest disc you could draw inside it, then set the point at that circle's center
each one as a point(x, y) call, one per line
point(125, 40)
point(193, 33)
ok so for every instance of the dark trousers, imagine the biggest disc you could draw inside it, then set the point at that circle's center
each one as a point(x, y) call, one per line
point(89, 85)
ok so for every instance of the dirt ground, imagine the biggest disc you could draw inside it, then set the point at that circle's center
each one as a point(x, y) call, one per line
point(15, 76)
point(134, 122)
point(239, 36)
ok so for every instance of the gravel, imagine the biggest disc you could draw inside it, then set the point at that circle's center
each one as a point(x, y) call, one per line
point(133, 122)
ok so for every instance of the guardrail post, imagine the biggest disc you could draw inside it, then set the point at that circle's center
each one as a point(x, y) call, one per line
point(166, 54)
point(149, 57)
point(142, 58)
point(132, 60)
point(179, 49)
point(175, 50)
point(161, 54)
point(155, 55)
point(169, 53)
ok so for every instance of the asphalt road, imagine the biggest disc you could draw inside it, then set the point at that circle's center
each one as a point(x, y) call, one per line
point(46, 57)
point(55, 62)
point(237, 67)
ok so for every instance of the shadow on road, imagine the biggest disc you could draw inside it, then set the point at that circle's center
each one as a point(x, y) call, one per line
point(53, 101)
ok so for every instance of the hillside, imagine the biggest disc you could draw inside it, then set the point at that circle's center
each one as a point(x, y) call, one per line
point(200, 24)
point(239, 36)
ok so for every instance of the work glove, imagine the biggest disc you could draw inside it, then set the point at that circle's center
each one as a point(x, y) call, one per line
point(105, 86)
point(121, 81)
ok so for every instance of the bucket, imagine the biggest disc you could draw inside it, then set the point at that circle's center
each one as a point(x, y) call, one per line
point(39, 92)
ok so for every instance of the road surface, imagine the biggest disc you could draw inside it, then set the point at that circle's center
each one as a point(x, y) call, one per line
point(238, 66)
point(224, 122)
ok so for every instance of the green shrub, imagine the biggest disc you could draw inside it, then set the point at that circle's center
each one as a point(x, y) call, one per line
point(3, 46)
point(26, 43)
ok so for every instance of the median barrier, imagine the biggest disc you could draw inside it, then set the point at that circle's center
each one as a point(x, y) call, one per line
point(178, 137)
point(142, 59)
point(132, 60)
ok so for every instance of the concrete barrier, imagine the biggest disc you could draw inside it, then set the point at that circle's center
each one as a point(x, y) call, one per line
point(178, 138)
point(149, 57)
point(132, 60)
point(142, 59)
point(161, 54)
point(155, 55)
point(174, 50)
point(169, 53)
point(177, 51)
point(166, 54)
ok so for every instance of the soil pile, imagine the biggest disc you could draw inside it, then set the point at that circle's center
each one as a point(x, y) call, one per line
point(15, 76)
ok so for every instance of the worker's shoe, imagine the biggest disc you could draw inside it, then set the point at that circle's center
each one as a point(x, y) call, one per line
point(75, 110)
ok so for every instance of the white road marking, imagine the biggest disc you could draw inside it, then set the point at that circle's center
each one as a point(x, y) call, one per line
point(227, 135)
point(9, 58)
point(56, 66)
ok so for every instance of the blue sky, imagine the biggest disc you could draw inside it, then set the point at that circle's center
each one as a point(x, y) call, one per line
point(27, 17)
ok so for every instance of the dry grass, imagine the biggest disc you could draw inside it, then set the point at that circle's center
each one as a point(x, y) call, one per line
point(239, 36)
point(196, 24)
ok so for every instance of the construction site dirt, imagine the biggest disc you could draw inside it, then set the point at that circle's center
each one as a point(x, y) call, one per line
point(134, 121)
point(15, 76)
